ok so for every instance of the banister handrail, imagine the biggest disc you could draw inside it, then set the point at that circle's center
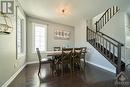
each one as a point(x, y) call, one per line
point(107, 15)
point(106, 45)
point(112, 38)
point(107, 37)
point(103, 14)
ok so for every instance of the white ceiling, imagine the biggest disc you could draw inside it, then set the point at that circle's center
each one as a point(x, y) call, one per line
point(47, 9)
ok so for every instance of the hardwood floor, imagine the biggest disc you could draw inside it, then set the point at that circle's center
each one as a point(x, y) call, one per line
point(91, 77)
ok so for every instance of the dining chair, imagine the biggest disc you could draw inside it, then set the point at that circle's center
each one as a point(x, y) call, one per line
point(66, 58)
point(57, 48)
point(57, 56)
point(83, 54)
point(43, 61)
point(77, 57)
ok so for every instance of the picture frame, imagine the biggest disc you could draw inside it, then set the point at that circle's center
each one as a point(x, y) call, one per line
point(62, 34)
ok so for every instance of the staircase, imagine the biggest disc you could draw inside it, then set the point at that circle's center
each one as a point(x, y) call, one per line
point(107, 46)
point(109, 13)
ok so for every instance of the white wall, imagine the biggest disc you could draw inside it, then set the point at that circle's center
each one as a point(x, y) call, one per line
point(127, 32)
point(8, 53)
point(93, 56)
point(31, 57)
point(115, 27)
point(94, 19)
point(127, 29)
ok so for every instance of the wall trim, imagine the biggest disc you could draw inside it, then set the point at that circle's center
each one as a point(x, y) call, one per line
point(16, 73)
point(105, 68)
point(13, 76)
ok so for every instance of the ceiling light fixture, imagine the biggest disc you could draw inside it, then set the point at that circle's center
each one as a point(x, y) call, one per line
point(64, 9)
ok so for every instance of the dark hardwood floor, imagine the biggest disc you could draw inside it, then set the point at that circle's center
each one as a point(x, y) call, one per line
point(91, 77)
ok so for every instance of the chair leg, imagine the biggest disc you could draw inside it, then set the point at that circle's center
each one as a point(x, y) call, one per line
point(39, 69)
point(80, 66)
point(84, 64)
point(70, 69)
point(73, 66)
point(51, 68)
point(62, 70)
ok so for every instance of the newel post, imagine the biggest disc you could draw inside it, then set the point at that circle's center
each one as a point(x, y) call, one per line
point(118, 70)
point(96, 26)
point(87, 33)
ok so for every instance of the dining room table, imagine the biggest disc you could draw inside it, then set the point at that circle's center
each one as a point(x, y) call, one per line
point(53, 53)
point(57, 54)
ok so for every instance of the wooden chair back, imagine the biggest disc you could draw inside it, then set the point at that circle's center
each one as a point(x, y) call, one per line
point(66, 55)
point(84, 49)
point(83, 52)
point(57, 48)
point(39, 54)
point(77, 53)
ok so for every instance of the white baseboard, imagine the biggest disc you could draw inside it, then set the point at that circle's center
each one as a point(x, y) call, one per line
point(105, 68)
point(13, 76)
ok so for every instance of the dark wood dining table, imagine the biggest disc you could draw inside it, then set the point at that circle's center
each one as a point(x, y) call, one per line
point(53, 53)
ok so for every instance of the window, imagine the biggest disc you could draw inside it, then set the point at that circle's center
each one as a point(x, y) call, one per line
point(19, 35)
point(40, 37)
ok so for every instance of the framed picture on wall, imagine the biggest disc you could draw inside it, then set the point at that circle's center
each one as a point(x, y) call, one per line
point(62, 34)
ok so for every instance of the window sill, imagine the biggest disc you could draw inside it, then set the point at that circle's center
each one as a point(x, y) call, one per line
point(20, 56)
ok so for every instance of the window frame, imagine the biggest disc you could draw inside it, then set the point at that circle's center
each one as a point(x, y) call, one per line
point(22, 26)
point(20, 33)
point(33, 36)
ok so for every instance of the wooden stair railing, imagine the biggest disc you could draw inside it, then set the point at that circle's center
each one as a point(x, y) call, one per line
point(109, 48)
point(106, 17)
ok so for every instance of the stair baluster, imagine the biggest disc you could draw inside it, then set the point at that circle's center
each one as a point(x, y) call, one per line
point(107, 46)
point(106, 17)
